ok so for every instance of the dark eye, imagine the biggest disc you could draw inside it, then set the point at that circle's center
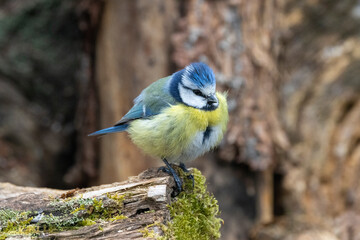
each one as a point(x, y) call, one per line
point(197, 92)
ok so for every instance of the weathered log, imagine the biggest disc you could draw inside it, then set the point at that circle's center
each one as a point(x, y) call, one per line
point(135, 209)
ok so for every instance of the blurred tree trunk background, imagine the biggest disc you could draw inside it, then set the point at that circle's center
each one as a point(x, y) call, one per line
point(288, 166)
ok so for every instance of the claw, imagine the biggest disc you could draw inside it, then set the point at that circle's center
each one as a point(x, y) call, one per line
point(168, 169)
point(183, 167)
point(164, 169)
point(192, 179)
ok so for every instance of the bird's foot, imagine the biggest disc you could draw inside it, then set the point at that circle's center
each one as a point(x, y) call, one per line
point(164, 169)
point(168, 169)
point(190, 176)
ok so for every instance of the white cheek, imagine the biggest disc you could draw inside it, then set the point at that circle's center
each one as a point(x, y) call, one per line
point(189, 98)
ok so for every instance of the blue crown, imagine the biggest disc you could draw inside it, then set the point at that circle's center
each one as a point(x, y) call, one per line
point(200, 74)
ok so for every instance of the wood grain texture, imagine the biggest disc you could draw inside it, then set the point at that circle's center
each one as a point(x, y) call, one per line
point(132, 52)
point(145, 203)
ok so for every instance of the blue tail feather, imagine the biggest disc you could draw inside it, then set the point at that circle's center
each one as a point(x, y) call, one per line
point(114, 129)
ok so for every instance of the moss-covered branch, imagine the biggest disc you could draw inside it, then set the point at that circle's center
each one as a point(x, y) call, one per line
point(141, 207)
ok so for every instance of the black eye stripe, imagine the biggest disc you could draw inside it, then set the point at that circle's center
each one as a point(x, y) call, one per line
point(195, 91)
point(198, 92)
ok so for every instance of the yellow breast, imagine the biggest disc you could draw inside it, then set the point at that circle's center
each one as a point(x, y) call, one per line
point(169, 133)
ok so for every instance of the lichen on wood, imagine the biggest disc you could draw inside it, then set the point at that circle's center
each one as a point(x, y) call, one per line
point(141, 207)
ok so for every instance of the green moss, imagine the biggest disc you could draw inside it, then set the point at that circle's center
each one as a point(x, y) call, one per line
point(82, 207)
point(70, 204)
point(147, 233)
point(87, 222)
point(13, 222)
point(117, 217)
point(66, 214)
point(194, 213)
point(118, 198)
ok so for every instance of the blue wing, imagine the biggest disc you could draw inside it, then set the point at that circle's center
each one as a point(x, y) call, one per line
point(149, 103)
point(139, 110)
point(110, 130)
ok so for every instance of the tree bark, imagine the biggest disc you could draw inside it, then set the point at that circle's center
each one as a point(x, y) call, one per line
point(304, 67)
point(294, 100)
point(132, 51)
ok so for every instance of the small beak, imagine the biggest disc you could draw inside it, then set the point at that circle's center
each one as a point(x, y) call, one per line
point(212, 99)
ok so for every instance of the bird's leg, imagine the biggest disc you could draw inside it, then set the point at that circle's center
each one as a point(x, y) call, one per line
point(183, 167)
point(168, 169)
point(164, 169)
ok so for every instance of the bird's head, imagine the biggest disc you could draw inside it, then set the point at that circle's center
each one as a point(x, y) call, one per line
point(194, 86)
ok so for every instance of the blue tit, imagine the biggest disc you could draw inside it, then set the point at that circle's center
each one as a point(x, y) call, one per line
point(177, 118)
